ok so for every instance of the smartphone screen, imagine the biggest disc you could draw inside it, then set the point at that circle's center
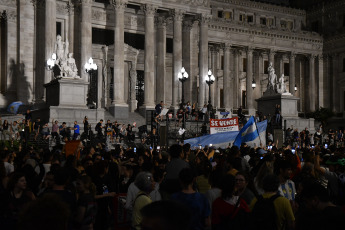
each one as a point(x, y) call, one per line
point(293, 151)
point(135, 150)
point(158, 147)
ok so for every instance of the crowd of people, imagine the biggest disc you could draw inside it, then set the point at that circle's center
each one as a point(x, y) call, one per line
point(175, 188)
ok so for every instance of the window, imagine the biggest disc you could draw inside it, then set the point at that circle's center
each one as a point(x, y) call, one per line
point(263, 21)
point(289, 25)
point(270, 22)
point(287, 69)
point(265, 67)
point(220, 14)
point(58, 28)
point(315, 26)
point(241, 18)
point(227, 15)
point(283, 24)
point(244, 65)
point(250, 19)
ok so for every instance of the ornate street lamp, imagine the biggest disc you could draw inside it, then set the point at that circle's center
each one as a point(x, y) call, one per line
point(209, 81)
point(51, 62)
point(89, 66)
point(182, 77)
point(253, 84)
point(295, 87)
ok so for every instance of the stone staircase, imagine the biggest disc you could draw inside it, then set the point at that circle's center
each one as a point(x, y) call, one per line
point(132, 117)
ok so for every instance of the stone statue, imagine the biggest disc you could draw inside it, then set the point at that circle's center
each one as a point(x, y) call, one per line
point(65, 60)
point(281, 86)
point(59, 48)
point(272, 77)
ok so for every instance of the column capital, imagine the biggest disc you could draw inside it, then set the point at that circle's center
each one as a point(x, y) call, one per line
point(311, 57)
point(89, 2)
point(249, 50)
point(204, 18)
point(334, 55)
point(187, 25)
point(177, 14)
point(149, 10)
point(38, 3)
point(321, 57)
point(226, 46)
point(235, 51)
point(293, 55)
point(272, 52)
point(119, 4)
point(161, 21)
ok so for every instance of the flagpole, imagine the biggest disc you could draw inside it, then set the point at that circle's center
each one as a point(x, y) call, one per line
point(257, 130)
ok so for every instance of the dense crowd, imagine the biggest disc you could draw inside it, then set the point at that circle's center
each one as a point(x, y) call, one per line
point(178, 188)
point(298, 186)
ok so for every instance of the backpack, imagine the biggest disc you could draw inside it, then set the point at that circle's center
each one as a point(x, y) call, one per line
point(264, 214)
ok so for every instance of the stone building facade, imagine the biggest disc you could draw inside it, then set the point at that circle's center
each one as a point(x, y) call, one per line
point(235, 39)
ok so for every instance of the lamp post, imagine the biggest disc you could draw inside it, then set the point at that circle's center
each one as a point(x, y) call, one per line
point(209, 81)
point(295, 87)
point(89, 67)
point(182, 77)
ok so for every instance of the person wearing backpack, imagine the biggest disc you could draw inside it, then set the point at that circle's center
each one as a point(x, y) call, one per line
point(270, 210)
point(229, 211)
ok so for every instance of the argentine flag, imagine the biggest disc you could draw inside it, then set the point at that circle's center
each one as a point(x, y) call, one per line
point(252, 134)
point(13, 107)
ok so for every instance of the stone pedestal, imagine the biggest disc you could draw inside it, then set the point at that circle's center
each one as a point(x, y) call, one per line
point(287, 102)
point(66, 102)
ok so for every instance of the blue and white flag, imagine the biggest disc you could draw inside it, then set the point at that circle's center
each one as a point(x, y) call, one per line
point(223, 140)
point(14, 106)
point(252, 134)
point(218, 140)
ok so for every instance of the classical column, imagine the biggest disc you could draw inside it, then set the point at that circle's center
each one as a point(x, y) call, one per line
point(249, 79)
point(321, 95)
point(161, 53)
point(292, 76)
point(312, 91)
point(71, 14)
point(50, 37)
point(335, 92)
point(149, 92)
point(203, 57)
point(214, 86)
point(177, 56)
point(228, 99)
point(237, 91)
point(85, 36)
point(119, 61)
point(327, 82)
point(188, 59)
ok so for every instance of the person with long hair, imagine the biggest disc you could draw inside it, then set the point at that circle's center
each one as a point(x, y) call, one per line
point(86, 204)
point(229, 210)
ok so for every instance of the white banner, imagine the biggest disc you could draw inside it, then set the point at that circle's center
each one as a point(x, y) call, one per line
point(223, 125)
